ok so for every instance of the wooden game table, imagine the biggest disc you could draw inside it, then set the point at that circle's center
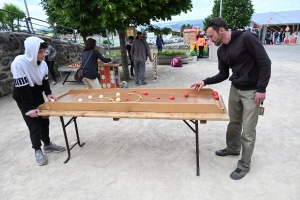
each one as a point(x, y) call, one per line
point(147, 103)
point(69, 69)
point(73, 68)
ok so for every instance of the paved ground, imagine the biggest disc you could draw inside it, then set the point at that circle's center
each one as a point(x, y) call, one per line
point(155, 159)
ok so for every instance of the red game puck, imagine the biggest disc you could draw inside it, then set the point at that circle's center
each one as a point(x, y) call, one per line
point(145, 93)
point(216, 97)
point(186, 94)
point(172, 97)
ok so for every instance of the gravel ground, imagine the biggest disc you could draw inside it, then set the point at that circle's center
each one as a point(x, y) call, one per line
point(155, 159)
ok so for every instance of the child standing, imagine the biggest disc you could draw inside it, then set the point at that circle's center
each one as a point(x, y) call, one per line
point(30, 74)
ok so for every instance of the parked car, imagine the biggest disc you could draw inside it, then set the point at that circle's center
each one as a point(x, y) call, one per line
point(149, 41)
point(175, 40)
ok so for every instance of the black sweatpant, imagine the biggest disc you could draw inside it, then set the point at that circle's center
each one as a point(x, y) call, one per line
point(201, 48)
point(50, 64)
point(38, 126)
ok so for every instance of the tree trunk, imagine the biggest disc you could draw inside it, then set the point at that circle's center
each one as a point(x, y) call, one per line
point(124, 57)
point(83, 35)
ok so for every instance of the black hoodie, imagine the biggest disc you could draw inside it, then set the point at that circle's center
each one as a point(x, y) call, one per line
point(248, 60)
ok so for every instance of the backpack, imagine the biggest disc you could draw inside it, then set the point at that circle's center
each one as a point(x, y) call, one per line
point(176, 62)
point(276, 35)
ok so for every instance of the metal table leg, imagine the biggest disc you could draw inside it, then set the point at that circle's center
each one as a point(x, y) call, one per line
point(73, 119)
point(196, 131)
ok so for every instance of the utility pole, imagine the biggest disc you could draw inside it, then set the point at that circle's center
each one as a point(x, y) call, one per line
point(221, 8)
point(28, 16)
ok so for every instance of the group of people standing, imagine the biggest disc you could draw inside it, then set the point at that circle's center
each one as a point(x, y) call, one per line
point(275, 37)
point(249, 79)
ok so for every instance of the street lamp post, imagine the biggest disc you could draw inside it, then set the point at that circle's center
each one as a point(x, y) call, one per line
point(74, 32)
point(220, 8)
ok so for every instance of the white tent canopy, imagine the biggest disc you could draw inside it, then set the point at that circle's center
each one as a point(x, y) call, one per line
point(277, 18)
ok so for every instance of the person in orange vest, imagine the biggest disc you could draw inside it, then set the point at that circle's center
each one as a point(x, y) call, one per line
point(201, 42)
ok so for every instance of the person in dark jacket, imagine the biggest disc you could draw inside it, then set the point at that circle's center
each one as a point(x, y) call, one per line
point(49, 58)
point(159, 42)
point(89, 64)
point(243, 53)
point(30, 74)
point(128, 47)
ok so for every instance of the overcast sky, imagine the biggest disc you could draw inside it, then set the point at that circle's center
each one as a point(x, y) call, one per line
point(201, 8)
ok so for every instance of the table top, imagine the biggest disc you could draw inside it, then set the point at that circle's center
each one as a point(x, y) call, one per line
point(145, 103)
point(75, 67)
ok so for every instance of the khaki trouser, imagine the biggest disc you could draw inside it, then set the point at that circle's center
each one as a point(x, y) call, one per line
point(91, 83)
point(241, 130)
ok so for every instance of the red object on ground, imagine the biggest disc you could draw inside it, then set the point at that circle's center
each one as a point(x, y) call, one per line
point(216, 97)
point(145, 93)
point(172, 97)
point(186, 94)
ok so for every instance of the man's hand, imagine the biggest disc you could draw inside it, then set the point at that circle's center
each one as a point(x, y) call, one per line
point(259, 97)
point(51, 96)
point(198, 85)
point(33, 113)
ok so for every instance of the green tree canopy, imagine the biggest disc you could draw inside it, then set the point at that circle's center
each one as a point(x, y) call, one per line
point(14, 13)
point(185, 26)
point(90, 17)
point(205, 21)
point(157, 30)
point(237, 14)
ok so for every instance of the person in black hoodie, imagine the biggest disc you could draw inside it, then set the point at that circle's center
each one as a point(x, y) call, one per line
point(30, 74)
point(243, 53)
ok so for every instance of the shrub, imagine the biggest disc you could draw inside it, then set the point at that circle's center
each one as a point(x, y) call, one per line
point(115, 55)
point(171, 53)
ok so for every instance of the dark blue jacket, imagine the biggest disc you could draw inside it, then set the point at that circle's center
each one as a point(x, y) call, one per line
point(90, 69)
point(159, 42)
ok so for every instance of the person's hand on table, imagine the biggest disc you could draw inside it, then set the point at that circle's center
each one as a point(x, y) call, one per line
point(259, 97)
point(51, 96)
point(33, 113)
point(111, 60)
point(198, 85)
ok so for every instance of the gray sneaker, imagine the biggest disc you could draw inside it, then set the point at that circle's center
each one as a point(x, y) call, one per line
point(40, 158)
point(53, 148)
point(54, 82)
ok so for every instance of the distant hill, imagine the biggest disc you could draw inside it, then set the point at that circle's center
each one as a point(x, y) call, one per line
point(175, 26)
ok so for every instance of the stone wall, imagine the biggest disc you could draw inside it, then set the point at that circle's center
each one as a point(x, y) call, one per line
point(12, 45)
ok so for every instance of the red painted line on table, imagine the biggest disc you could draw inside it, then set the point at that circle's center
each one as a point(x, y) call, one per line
point(195, 98)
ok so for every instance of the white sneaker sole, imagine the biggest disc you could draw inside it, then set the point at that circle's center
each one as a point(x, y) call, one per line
point(41, 164)
point(55, 151)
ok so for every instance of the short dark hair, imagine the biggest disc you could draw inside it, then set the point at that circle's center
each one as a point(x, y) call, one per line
point(216, 24)
point(131, 38)
point(43, 45)
point(89, 44)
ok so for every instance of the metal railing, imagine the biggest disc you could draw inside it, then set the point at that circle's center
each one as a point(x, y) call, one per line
point(30, 25)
